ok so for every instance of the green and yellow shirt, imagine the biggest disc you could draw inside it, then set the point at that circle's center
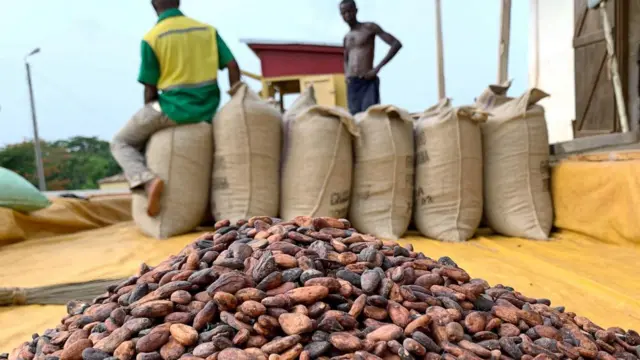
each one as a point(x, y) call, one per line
point(182, 56)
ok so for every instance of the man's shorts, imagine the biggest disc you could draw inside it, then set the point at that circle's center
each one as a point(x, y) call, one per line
point(362, 93)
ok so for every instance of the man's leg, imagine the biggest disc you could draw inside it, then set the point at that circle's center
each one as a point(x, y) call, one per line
point(371, 94)
point(127, 148)
point(354, 98)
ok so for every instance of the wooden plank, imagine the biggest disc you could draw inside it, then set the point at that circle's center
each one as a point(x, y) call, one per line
point(581, 112)
point(594, 143)
point(589, 39)
point(580, 11)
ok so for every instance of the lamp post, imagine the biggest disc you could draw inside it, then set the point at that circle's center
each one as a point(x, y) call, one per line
point(36, 139)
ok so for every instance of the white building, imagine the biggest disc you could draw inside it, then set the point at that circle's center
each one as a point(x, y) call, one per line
point(567, 60)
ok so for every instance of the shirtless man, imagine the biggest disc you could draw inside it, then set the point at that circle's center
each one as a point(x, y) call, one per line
point(363, 84)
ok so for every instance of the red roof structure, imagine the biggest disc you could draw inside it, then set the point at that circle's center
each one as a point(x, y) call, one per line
point(279, 59)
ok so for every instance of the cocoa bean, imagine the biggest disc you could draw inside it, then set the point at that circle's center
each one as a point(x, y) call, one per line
point(205, 316)
point(455, 332)
point(233, 354)
point(153, 341)
point(279, 345)
point(125, 351)
point(153, 309)
point(111, 342)
point(172, 350)
point(295, 324)
point(184, 334)
point(292, 353)
point(345, 342)
point(414, 347)
point(475, 322)
point(252, 308)
point(74, 352)
point(229, 282)
point(385, 333)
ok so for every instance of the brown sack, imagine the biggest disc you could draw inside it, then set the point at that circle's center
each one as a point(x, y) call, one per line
point(247, 134)
point(493, 96)
point(516, 168)
point(306, 100)
point(382, 192)
point(449, 172)
point(181, 156)
point(316, 178)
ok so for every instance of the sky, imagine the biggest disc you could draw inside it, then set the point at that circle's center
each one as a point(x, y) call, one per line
point(85, 84)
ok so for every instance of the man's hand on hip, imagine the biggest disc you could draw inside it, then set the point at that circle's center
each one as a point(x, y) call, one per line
point(370, 75)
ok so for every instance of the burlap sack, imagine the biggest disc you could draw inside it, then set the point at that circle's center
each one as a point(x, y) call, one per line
point(316, 178)
point(493, 96)
point(449, 172)
point(247, 134)
point(306, 100)
point(516, 168)
point(382, 191)
point(181, 156)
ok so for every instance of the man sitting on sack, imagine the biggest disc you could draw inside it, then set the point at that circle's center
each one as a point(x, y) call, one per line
point(363, 85)
point(180, 62)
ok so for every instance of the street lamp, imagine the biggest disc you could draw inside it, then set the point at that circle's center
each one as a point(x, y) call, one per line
point(36, 140)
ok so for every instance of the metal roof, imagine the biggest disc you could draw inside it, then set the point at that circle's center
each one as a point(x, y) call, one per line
point(287, 42)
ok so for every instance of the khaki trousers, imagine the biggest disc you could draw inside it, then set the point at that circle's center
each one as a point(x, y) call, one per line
point(129, 143)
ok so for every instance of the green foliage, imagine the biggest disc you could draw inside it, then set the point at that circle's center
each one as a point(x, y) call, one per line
point(73, 164)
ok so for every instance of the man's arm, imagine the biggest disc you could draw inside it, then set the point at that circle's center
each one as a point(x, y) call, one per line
point(149, 72)
point(346, 54)
point(150, 94)
point(234, 73)
point(395, 45)
point(226, 60)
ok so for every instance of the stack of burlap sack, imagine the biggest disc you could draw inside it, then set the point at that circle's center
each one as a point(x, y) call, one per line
point(379, 168)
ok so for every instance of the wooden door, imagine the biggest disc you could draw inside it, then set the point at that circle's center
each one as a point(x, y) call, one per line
point(594, 97)
point(324, 88)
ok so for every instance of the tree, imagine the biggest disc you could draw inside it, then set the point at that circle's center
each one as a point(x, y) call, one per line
point(72, 164)
point(90, 160)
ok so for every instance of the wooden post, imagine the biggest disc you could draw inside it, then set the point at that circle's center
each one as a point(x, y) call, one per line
point(503, 47)
point(440, 52)
point(534, 39)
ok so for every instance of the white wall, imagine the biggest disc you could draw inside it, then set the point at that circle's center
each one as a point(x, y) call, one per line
point(555, 63)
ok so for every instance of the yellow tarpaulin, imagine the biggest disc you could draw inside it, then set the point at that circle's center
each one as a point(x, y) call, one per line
point(599, 195)
point(590, 268)
point(64, 216)
point(591, 278)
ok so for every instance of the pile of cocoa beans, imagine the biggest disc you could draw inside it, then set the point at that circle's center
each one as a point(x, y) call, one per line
point(315, 288)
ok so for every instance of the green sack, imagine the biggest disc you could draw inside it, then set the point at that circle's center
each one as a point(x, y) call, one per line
point(19, 194)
